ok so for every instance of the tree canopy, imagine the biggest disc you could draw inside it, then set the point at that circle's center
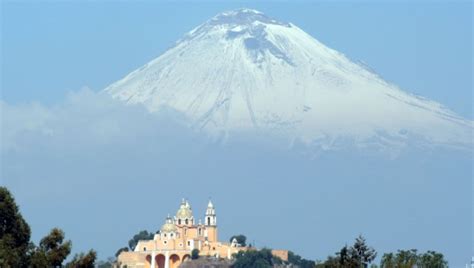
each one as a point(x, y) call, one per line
point(361, 252)
point(432, 259)
point(411, 258)
point(298, 261)
point(356, 256)
point(241, 239)
point(255, 259)
point(14, 233)
point(82, 260)
point(52, 249)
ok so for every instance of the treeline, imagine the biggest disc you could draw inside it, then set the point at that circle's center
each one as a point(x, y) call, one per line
point(359, 255)
point(16, 249)
point(264, 258)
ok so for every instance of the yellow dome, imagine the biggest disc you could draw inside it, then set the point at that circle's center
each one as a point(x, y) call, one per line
point(184, 213)
point(168, 228)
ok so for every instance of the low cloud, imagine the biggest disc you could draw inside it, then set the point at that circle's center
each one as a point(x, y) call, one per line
point(85, 118)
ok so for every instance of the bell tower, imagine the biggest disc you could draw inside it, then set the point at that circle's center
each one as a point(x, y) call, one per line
point(210, 222)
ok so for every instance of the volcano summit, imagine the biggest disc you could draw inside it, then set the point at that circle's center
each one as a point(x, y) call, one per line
point(242, 71)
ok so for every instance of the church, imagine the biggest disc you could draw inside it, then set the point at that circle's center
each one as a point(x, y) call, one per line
point(176, 239)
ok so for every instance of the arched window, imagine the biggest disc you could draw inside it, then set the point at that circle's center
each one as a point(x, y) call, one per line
point(199, 231)
point(186, 221)
point(208, 220)
point(179, 222)
point(144, 249)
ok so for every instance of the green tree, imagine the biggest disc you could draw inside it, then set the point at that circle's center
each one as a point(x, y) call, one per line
point(255, 259)
point(330, 262)
point(241, 239)
point(298, 261)
point(142, 235)
point(345, 258)
point(38, 259)
point(388, 261)
point(14, 233)
point(406, 258)
point(411, 258)
point(195, 254)
point(54, 248)
point(358, 255)
point(82, 260)
point(432, 259)
point(362, 253)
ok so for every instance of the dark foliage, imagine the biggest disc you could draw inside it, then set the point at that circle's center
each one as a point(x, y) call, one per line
point(411, 258)
point(195, 254)
point(297, 260)
point(54, 248)
point(14, 233)
point(255, 259)
point(142, 235)
point(241, 239)
point(83, 260)
point(357, 256)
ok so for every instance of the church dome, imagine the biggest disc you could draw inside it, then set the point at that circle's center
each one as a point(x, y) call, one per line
point(184, 211)
point(169, 226)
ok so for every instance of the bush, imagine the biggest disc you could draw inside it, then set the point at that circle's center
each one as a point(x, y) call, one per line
point(241, 239)
point(195, 254)
point(255, 259)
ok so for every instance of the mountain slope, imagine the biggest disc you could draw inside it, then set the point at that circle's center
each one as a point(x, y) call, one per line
point(243, 71)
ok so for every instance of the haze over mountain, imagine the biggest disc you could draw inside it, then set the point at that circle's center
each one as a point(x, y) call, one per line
point(243, 71)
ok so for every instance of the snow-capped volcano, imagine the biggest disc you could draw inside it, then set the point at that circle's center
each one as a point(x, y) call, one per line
point(244, 71)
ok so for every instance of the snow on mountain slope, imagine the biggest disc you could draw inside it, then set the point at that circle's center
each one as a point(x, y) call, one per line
point(243, 71)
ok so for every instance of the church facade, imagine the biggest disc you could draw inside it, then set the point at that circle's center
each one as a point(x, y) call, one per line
point(176, 239)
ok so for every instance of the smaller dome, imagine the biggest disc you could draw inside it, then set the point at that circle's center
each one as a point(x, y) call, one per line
point(169, 226)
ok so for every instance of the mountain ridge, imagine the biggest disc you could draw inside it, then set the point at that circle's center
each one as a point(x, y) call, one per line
point(244, 71)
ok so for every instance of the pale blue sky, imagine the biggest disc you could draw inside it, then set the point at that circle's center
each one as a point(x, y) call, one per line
point(51, 47)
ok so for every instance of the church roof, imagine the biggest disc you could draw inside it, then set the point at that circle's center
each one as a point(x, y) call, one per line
point(184, 211)
point(210, 205)
point(169, 226)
